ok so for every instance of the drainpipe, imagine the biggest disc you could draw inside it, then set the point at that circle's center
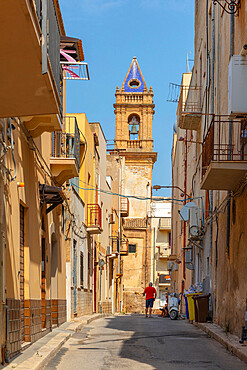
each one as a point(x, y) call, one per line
point(228, 219)
point(185, 192)
point(211, 194)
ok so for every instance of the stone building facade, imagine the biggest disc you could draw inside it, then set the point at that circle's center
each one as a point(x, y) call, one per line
point(214, 164)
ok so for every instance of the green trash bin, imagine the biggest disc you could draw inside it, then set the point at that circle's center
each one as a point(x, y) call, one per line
point(201, 307)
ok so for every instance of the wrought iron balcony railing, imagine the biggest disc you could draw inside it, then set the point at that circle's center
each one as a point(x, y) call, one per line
point(66, 144)
point(94, 216)
point(189, 107)
point(124, 204)
point(165, 223)
point(54, 42)
point(225, 141)
point(119, 245)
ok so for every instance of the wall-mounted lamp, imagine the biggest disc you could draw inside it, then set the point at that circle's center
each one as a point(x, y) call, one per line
point(189, 141)
point(229, 6)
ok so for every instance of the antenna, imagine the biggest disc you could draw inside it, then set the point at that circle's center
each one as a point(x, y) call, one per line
point(187, 62)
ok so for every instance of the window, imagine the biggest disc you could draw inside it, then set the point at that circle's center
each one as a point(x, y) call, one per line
point(81, 269)
point(134, 83)
point(132, 248)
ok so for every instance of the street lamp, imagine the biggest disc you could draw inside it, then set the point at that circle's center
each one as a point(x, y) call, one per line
point(229, 6)
point(189, 141)
point(158, 187)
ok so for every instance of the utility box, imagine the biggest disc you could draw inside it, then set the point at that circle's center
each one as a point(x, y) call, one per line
point(194, 219)
point(237, 86)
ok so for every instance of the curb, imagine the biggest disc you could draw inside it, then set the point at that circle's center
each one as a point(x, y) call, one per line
point(51, 348)
point(42, 357)
point(230, 342)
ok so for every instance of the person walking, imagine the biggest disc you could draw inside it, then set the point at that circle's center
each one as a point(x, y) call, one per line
point(150, 293)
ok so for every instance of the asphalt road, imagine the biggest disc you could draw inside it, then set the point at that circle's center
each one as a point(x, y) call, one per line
point(136, 342)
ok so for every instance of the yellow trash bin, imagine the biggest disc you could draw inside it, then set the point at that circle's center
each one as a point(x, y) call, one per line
point(191, 306)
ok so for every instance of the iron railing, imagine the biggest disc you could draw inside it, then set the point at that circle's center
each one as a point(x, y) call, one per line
point(54, 42)
point(38, 10)
point(165, 223)
point(189, 101)
point(119, 245)
point(225, 141)
point(124, 204)
point(66, 144)
point(94, 217)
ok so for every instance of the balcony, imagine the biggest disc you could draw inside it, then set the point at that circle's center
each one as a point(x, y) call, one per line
point(30, 68)
point(164, 280)
point(119, 245)
point(165, 224)
point(134, 144)
point(224, 154)
point(65, 156)
point(189, 108)
point(164, 250)
point(124, 204)
point(94, 219)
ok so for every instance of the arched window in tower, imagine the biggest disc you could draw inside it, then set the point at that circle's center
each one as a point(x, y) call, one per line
point(134, 123)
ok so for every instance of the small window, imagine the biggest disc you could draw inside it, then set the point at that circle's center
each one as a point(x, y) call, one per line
point(132, 248)
point(81, 269)
point(134, 83)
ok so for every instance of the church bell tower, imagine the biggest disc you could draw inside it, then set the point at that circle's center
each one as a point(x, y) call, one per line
point(134, 110)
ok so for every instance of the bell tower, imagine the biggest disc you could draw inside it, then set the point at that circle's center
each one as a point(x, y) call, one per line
point(134, 110)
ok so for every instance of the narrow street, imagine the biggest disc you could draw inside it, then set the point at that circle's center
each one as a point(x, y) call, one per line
point(136, 342)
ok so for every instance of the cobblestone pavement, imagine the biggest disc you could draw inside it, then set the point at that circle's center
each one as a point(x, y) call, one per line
point(136, 342)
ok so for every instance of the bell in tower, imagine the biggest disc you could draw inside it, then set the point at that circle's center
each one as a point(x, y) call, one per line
point(134, 131)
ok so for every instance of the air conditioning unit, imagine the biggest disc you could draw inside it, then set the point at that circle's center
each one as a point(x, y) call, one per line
point(188, 255)
point(108, 250)
point(237, 86)
point(112, 218)
point(175, 267)
point(194, 219)
point(170, 265)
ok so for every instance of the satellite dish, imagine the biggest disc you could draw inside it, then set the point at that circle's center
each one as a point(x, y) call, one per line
point(184, 213)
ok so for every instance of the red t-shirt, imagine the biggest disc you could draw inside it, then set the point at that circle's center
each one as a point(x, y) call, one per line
point(150, 292)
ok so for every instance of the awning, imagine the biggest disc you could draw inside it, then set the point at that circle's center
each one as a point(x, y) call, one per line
point(50, 195)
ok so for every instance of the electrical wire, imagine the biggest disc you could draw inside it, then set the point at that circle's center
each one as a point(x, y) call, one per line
point(160, 199)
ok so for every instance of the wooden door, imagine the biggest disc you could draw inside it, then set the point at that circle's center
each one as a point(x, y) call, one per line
point(22, 296)
point(43, 286)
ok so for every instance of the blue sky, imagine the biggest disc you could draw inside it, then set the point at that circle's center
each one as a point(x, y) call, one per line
point(158, 32)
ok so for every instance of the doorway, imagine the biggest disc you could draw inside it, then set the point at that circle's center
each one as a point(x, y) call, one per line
point(43, 285)
point(75, 276)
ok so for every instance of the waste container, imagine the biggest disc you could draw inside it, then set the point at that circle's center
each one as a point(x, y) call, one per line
point(201, 304)
point(186, 306)
point(191, 305)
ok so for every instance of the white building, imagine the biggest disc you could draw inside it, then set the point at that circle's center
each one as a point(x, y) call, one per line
point(161, 248)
